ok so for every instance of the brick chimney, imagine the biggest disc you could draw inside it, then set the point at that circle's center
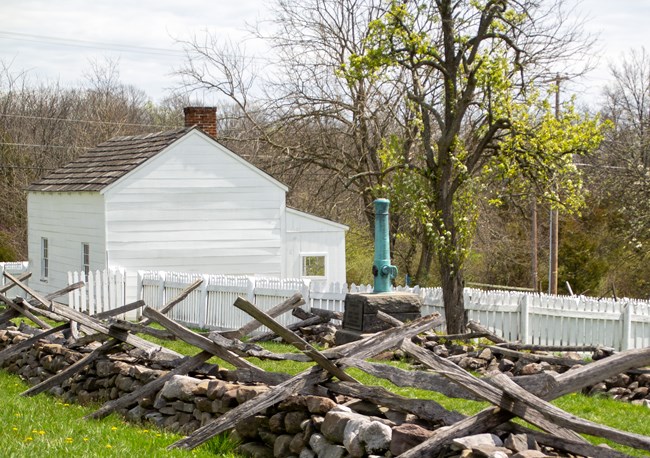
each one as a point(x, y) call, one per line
point(205, 118)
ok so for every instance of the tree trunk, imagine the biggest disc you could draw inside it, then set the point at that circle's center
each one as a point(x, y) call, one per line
point(423, 271)
point(452, 294)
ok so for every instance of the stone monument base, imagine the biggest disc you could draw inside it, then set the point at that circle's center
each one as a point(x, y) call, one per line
point(360, 315)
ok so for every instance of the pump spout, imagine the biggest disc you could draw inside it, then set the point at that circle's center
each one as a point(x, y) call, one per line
point(382, 270)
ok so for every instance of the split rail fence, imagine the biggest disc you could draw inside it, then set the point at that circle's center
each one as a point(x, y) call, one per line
point(515, 316)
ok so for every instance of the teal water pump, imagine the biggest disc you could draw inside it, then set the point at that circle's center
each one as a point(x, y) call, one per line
point(382, 270)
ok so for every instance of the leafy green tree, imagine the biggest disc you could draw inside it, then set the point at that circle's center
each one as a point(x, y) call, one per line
point(478, 117)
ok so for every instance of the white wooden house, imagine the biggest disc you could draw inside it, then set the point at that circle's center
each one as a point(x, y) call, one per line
point(176, 201)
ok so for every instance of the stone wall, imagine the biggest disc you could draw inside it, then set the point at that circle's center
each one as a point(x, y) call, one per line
point(306, 426)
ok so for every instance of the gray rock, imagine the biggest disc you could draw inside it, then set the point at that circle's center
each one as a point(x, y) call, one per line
point(618, 381)
point(293, 421)
point(307, 453)
point(255, 450)
point(250, 428)
point(179, 387)
point(472, 364)
point(319, 404)
point(317, 442)
point(334, 425)
point(520, 442)
point(376, 436)
point(351, 437)
point(530, 454)
point(598, 388)
point(281, 446)
point(477, 440)
point(643, 379)
point(407, 436)
point(276, 422)
point(486, 354)
point(333, 451)
point(298, 443)
point(135, 414)
point(505, 365)
point(531, 369)
point(267, 437)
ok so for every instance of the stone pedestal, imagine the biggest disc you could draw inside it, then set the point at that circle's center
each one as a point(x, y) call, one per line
point(360, 315)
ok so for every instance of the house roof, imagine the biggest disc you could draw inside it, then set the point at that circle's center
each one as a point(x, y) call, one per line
point(107, 162)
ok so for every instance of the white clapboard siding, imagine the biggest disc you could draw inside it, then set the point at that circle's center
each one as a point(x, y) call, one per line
point(67, 220)
point(196, 208)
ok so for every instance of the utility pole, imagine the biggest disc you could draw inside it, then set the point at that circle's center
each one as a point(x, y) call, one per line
point(554, 223)
point(533, 243)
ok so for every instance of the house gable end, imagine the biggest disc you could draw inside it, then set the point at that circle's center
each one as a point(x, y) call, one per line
point(177, 147)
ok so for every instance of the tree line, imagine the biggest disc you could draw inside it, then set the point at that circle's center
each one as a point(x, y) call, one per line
point(447, 108)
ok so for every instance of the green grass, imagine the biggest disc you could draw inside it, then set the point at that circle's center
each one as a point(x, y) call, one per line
point(44, 426)
point(35, 416)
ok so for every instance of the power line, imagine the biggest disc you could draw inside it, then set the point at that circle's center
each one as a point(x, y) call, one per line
point(23, 167)
point(72, 42)
point(44, 146)
point(89, 44)
point(113, 123)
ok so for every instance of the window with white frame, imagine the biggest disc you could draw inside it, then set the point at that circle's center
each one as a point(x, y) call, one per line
point(45, 259)
point(85, 258)
point(313, 265)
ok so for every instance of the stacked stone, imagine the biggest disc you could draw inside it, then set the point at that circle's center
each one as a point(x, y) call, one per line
point(314, 426)
point(631, 387)
point(186, 403)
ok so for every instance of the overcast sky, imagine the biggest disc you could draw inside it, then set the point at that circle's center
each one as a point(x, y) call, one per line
point(58, 39)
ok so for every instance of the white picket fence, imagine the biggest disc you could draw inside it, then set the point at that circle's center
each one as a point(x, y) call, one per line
point(516, 316)
point(103, 290)
point(13, 268)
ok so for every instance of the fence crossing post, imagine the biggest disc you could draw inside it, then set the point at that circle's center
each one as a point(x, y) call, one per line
point(203, 302)
point(251, 290)
point(524, 318)
point(305, 290)
point(627, 326)
point(161, 289)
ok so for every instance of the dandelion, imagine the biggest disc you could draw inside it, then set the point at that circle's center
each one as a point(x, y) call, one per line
point(85, 439)
point(114, 428)
point(68, 440)
point(109, 446)
point(18, 415)
point(145, 430)
point(29, 439)
point(66, 405)
point(41, 432)
point(14, 428)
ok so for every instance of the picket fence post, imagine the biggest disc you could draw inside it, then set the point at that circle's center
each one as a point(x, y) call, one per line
point(251, 290)
point(203, 302)
point(161, 289)
point(626, 322)
point(524, 318)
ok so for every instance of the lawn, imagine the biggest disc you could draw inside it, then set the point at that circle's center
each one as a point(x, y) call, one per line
point(44, 426)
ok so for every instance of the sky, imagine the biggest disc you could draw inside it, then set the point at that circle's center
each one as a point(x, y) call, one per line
point(58, 40)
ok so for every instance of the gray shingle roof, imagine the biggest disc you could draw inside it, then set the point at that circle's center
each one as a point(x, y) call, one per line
point(107, 162)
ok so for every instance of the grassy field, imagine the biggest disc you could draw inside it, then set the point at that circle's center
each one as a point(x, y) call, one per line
point(44, 426)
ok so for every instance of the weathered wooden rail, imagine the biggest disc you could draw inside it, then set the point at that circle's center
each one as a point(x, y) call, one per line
point(524, 397)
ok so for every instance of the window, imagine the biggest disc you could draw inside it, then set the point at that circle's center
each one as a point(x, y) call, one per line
point(313, 265)
point(45, 259)
point(85, 258)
